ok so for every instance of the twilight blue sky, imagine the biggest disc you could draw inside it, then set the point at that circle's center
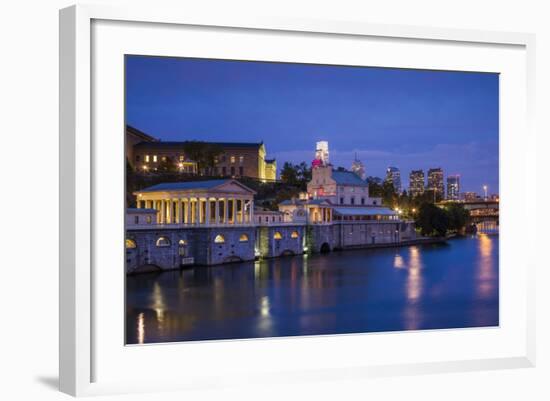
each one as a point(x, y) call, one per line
point(411, 119)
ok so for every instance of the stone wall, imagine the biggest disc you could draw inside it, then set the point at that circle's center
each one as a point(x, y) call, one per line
point(344, 235)
point(165, 249)
point(274, 241)
point(178, 245)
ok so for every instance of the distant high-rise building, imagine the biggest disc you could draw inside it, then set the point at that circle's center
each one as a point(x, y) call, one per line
point(416, 182)
point(321, 152)
point(453, 187)
point(393, 176)
point(358, 168)
point(435, 182)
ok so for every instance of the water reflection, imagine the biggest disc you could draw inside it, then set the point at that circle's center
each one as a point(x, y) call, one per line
point(348, 292)
point(413, 290)
point(485, 276)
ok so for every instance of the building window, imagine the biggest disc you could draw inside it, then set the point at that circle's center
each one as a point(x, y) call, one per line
point(163, 242)
point(137, 158)
point(353, 200)
point(294, 234)
point(130, 244)
point(148, 219)
point(277, 235)
point(224, 171)
point(154, 158)
point(362, 201)
point(219, 239)
point(341, 200)
point(241, 159)
point(243, 238)
point(241, 171)
point(146, 158)
point(374, 202)
point(232, 170)
point(182, 158)
point(136, 219)
point(232, 159)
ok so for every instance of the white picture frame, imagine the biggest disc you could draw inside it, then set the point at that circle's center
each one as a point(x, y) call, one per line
point(78, 210)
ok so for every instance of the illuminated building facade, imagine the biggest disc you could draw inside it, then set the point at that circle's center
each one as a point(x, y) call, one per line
point(358, 168)
point(416, 182)
point(321, 153)
point(393, 176)
point(435, 182)
point(453, 187)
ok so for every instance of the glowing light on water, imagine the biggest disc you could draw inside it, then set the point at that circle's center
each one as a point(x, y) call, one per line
point(141, 329)
point(485, 274)
point(398, 261)
point(158, 303)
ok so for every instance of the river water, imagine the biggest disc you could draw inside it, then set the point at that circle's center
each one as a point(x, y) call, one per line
point(449, 285)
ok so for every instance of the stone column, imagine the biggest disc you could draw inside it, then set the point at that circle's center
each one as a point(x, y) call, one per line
point(251, 211)
point(138, 203)
point(197, 211)
point(180, 211)
point(188, 211)
point(234, 211)
point(207, 212)
point(169, 211)
point(225, 211)
point(162, 212)
point(242, 211)
point(217, 211)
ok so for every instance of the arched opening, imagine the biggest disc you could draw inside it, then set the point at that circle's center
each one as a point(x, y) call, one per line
point(243, 238)
point(325, 247)
point(146, 268)
point(232, 259)
point(277, 235)
point(294, 234)
point(130, 244)
point(163, 242)
point(220, 239)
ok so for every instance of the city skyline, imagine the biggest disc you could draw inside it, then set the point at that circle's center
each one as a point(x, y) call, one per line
point(384, 117)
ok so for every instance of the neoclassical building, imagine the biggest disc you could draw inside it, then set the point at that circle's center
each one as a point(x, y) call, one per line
point(199, 203)
point(339, 187)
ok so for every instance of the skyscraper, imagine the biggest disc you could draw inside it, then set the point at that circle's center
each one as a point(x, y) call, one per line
point(393, 176)
point(321, 152)
point(416, 182)
point(358, 168)
point(435, 182)
point(453, 187)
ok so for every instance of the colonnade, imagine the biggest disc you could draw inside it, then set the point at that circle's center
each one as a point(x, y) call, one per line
point(201, 211)
point(320, 215)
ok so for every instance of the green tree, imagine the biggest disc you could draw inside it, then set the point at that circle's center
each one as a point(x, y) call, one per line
point(458, 216)
point(203, 153)
point(432, 220)
point(289, 174)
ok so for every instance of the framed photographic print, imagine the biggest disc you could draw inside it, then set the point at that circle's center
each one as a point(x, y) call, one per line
point(269, 199)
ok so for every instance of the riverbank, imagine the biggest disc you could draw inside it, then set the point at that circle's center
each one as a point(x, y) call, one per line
point(404, 243)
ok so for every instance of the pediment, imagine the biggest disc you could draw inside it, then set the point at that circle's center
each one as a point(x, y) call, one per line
point(234, 187)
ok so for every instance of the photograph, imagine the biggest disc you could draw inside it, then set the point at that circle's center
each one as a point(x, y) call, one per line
point(276, 199)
